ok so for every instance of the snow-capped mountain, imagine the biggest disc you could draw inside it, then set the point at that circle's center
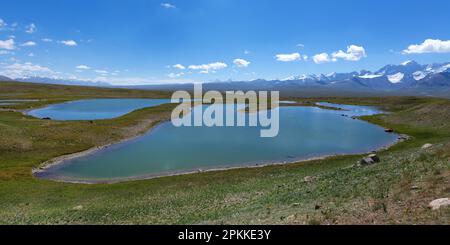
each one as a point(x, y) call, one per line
point(408, 78)
point(409, 74)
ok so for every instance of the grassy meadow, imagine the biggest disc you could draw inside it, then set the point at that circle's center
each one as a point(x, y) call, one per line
point(331, 191)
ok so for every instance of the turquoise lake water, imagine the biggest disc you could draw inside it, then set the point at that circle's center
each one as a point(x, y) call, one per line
point(94, 109)
point(305, 132)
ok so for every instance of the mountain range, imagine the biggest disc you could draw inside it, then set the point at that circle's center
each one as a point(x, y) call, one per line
point(408, 78)
point(408, 75)
point(47, 80)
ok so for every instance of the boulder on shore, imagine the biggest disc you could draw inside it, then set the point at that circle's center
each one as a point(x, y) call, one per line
point(374, 157)
point(369, 160)
point(439, 203)
point(403, 137)
point(426, 146)
point(366, 161)
point(389, 130)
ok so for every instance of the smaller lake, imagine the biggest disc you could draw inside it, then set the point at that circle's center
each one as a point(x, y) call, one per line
point(352, 110)
point(94, 109)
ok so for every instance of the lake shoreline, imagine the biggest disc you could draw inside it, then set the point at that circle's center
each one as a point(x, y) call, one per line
point(41, 171)
point(401, 138)
point(61, 159)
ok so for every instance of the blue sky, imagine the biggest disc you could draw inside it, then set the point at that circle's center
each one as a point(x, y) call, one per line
point(141, 41)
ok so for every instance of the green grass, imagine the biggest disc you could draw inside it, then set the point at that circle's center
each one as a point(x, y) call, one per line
point(397, 190)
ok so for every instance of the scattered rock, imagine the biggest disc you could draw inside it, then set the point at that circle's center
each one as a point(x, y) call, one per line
point(415, 187)
point(403, 137)
point(77, 208)
point(366, 161)
point(295, 204)
point(389, 130)
point(439, 203)
point(291, 218)
point(427, 146)
point(317, 207)
point(374, 157)
point(369, 160)
point(308, 179)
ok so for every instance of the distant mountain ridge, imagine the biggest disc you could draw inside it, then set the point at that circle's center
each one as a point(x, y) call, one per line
point(408, 78)
point(60, 81)
point(407, 75)
point(3, 78)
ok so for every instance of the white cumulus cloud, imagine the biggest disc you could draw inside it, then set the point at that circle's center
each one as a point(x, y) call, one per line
point(206, 68)
point(288, 57)
point(31, 28)
point(83, 67)
point(7, 44)
point(241, 63)
point(25, 69)
point(70, 43)
point(168, 6)
point(103, 72)
point(175, 75)
point(354, 53)
point(179, 66)
point(322, 58)
point(28, 44)
point(429, 46)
